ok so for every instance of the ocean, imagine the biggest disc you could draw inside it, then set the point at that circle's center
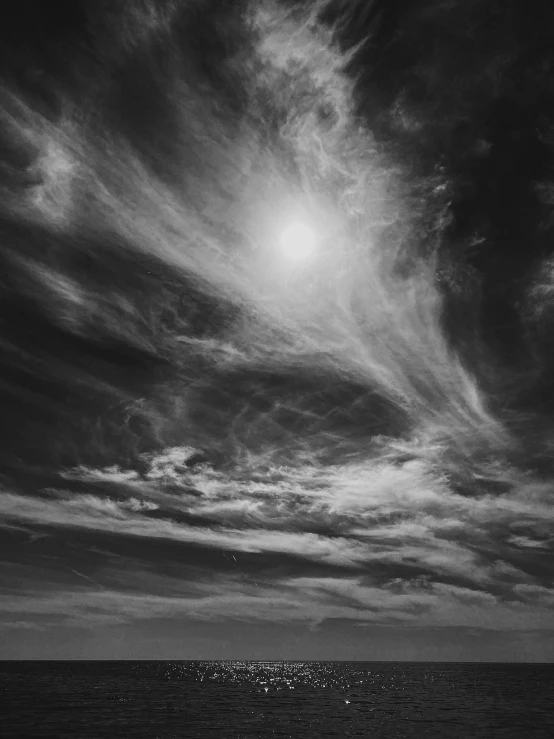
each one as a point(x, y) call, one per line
point(240, 700)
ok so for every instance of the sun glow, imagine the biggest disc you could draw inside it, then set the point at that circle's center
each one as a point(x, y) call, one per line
point(298, 241)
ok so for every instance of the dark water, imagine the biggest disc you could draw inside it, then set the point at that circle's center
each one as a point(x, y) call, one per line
point(232, 700)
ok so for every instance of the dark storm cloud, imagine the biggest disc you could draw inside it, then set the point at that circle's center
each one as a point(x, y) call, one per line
point(364, 434)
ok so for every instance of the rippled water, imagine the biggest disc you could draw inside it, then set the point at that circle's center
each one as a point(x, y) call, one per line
point(235, 700)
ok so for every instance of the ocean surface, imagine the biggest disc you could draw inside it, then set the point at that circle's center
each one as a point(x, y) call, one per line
point(236, 700)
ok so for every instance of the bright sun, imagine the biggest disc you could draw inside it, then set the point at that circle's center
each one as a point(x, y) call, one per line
point(298, 241)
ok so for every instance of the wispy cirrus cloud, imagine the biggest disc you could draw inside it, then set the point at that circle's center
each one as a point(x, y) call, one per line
point(202, 425)
point(420, 602)
point(419, 542)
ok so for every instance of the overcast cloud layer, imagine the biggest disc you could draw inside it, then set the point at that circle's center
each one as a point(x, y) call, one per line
point(201, 432)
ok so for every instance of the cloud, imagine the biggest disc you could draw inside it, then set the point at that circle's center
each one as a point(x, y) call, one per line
point(104, 515)
point(21, 625)
point(403, 520)
point(418, 603)
point(353, 428)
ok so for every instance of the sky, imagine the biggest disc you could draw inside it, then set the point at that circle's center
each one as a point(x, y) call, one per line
point(277, 295)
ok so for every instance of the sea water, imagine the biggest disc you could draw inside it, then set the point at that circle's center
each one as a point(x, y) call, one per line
point(236, 700)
